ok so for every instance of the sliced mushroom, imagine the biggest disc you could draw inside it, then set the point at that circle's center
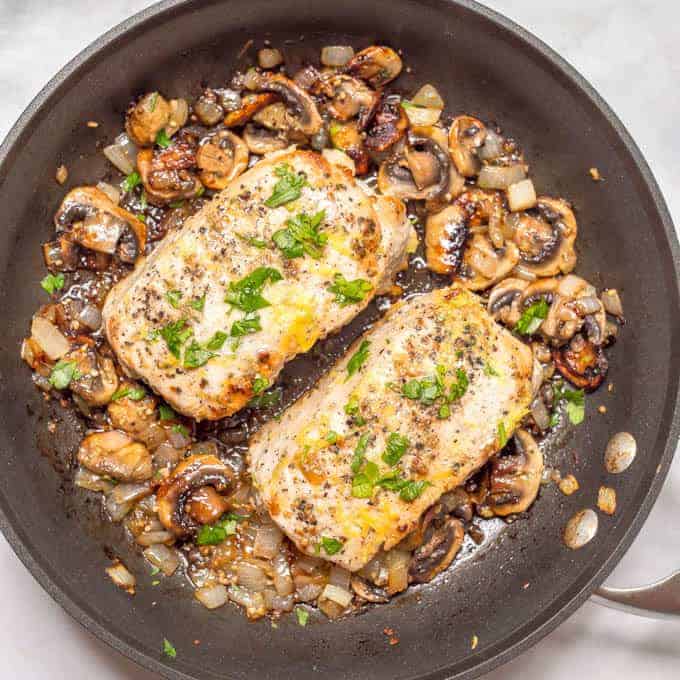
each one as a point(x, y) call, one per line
point(389, 125)
point(208, 108)
point(97, 380)
point(98, 224)
point(221, 157)
point(168, 175)
point(188, 477)
point(250, 105)
point(299, 103)
point(61, 255)
point(582, 363)
point(367, 591)
point(349, 97)
point(446, 234)
point(146, 118)
point(346, 137)
point(377, 64)
point(546, 237)
point(420, 172)
point(505, 300)
point(443, 539)
point(115, 454)
point(260, 140)
point(515, 478)
point(135, 417)
point(205, 505)
point(466, 136)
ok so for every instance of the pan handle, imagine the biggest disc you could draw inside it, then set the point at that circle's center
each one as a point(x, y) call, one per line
point(660, 600)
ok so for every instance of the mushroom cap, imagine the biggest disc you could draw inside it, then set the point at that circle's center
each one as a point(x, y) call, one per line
point(442, 541)
point(582, 363)
point(377, 64)
point(505, 300)
point(98, 380)
point(466, 135)
point(147, 118)
point(250, 105)
point(115, 454)
point(446, 233)
point(163, 181)
point(221, 157)
point(260, 140)
point(388, 125)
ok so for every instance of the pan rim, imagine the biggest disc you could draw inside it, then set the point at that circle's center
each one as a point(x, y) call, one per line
point(165, 9)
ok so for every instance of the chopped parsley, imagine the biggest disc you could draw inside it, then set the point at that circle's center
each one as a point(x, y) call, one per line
point(162, 139)
point(490, 370)
point(200, 191)
point(260, 384)
point(175, 334)
point(332, 437)
point(349, 292)
point(412, 489)
point(216, 342)
point(196, 355)
point(396, 447)
point(154, 571)
point(133, 393)
point(131, 181)
point(302, 616)
point(575, 404)
point(166, 413)
point(168, 649)
point(174, 297)
point(288, 188)
point(352, 409)
point(250, 323)
point(360, 452)
point(52, 283)
point(198, 303)
point(213, 534)
point(266, 399)
point(502, 435)
point(330, 546)
point(433, 389)
point(532, 317)
point(363, 482)
point(245, 294)
point(301, 236)
point(180, 429)
point(358, 359)
point(252, 241)
point(63, 373)
point(176, 204)
point(153, 100)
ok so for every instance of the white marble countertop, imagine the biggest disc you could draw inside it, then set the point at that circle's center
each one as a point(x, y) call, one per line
point(628, 51)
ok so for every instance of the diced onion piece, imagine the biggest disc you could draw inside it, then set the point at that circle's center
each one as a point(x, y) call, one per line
point(429, 97)
point(418, 115)
point(253, 602)
point(110, 191)
point(166, 559)
point(91, 317)
point(521, 272)
point(521, 195)
point(213, 596)
point(338, 595)
point(149, 538)
point(588, 305)
point(90, 481)
point(49, 338)
point(122, 154)
point(492, 147)
point(166, 455)
point(267, 541)
point(540, 414)
point(339, 577)
point(612, 302)
point(309, 592)
point(336, 55)
point(276, 602)
point(117, 510)
point(397, 570)
point(269, 57)
point(178, 440)
point(309, 564)
point(283, 581)
point(130, 492)
point(179, 113)
point(500, 176)
point(251, 576)
point(120, 575)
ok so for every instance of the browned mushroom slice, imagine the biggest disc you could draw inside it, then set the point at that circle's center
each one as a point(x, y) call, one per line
point(367, 591)
point(299, 103)
point(545, 238)
point(443, 539)
point(98, 224)
point(116, 455)
point(349, 97)
point(174, 497)
point(134, 416)
point(505, 299)
point(97, 380)
point(146, 118)
point(221, 157)
point(389, 125)
point(346, 137)
point(168, 175)
point(377, 64)
point(582, 363)
point(61, 255)
point(515, 478)
point(420, 172)
point(446, 233)
point(466, 136)
point(250, 105)
point(261, 140)
point(208, 108)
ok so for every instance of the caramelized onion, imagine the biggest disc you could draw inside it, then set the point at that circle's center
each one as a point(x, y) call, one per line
point(213, 596)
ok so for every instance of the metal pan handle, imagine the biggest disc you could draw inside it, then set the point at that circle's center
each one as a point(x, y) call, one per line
point(660, 600)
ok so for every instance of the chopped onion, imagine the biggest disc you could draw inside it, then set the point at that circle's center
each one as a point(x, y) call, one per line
point(269, 58)
point(253, 602)
point(421, 116)
point(492, 147)
point(273, 601)
point(339, 577)
point(117, 510)
point(309, 592)
point(612, 302)
point(251, 576)
point(123, 497)
point(213, 596)
point(397, 570)
point(90, 481)
point(429, 97)
point(336, 55)
point(164, 558)
point(120, 575)
point(178, 440)
point(179, 113)
point(166, 455)
point(338, 595)
point(540, 414)
point(148, 538)
point(588, 305)
point(49, 338)
point(309, 564)
point(267, 541)
point(122, 153)
point(500, 176)
point(91, 317)
point(283, 581)
point(110, 191)
point(521, 195)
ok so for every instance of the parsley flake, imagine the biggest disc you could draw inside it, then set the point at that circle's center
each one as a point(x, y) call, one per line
point(216, 342)
point(132, 393)
point(131, 181)
point(250, 323)
point(302, 616)
point(532, 317)
point(301, 236)
point(162, 139)
point(331, 546)
point(166, 413)
point(396, 447)
point(174, 297)
point(214, 534)
point(52, 283)
point(175, 335)
point(196, 355)
point(358, 359)
point(63, 373)
point(245, 294)
point(288, 188)
point(575, 404)
point(168, 649)
point(349, 292)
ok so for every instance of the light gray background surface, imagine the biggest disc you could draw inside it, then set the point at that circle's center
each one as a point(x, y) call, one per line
point(628, 50)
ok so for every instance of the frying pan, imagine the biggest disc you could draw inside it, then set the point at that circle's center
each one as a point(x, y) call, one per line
point(521, 584)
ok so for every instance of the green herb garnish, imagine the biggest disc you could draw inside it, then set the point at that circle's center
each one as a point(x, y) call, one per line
point(332, 437)
point(331, 546)
point(301, 236)
point(360, 452)
point(260, 384)
point(196, 355)
point(52, 283)
point(245, 294)
point(166, 413)
point(250, 323)
point(532, 317)
point(162, 139)
point(63, 373)
point(490, 370)
point(198, 303)
point(575, 404)
point(153, 100)
point(131, 181)
point(302, 616)
point(266, 399)
point(396, 447)
point(288, 188)
point(180, 429)
point(213, 534)
point(349, 292)
point(168, 649)
point(412, 489)
point(252, 241)
point(133, 393)
point(502, 435)
point(175, 335)
point(216, 341)
point(358, 359)
point(352, 409)
point(174, 297)
point(433, 389)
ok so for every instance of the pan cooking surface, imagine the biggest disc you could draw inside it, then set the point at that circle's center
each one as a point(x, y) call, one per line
point(510, 592)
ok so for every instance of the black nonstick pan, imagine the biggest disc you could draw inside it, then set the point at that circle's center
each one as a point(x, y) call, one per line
point(525, 582)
